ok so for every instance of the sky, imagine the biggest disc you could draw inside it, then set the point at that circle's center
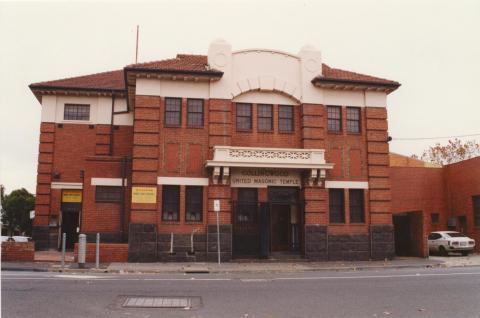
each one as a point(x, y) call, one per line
point(431, 47)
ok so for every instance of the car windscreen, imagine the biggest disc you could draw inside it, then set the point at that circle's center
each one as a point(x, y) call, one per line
point(455, 234)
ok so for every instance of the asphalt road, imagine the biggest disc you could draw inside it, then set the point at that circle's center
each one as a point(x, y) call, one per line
point(436, 293)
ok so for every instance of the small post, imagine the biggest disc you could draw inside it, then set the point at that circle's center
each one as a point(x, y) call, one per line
point(82, 248)
point(428, 249)
point(64, 239)
point(218, 237)
point(97, 252)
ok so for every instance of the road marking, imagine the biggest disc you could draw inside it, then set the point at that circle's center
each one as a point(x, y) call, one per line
point(78, 276)
point(253, 280)
point(373, 276)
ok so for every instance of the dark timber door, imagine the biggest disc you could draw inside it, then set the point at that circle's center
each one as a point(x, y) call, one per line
point(284, 217)
point(280, 223)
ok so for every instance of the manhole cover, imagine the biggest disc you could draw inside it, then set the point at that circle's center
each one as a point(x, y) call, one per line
point(158, 302)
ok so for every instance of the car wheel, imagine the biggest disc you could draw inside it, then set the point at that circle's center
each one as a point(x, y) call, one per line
point(442, 251)
point(465, 253)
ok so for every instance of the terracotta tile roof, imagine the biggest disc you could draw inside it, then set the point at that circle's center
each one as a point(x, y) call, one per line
point(113, 80)
point(187, 63)
point(335, 74)
point(182, 63)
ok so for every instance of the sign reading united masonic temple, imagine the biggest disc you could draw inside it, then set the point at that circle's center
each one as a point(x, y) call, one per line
point(263, 177)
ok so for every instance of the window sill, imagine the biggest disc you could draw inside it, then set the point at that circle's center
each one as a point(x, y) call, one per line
point(172, 126)
point(354, 133)
point(244, 131)
point(287, 132)
point(335, 133)
point(76, 121)
point(195, 127)
point(169, 222)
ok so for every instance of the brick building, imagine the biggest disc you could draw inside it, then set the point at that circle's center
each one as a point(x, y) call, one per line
point(292, 153)
point(427, 197)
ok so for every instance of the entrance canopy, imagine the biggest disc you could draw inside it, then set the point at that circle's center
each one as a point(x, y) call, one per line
point(266, 162)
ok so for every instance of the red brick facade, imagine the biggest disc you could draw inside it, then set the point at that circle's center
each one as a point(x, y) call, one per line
point(79, 163)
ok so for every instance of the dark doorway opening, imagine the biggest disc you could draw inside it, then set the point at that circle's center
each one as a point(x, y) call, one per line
point(70, 224)
point(408, 231)
point(285, 219)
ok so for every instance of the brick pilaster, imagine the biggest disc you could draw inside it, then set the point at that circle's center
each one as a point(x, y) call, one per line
point(43, 191)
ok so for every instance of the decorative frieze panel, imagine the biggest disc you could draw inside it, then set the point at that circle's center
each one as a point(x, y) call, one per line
point(237, 156)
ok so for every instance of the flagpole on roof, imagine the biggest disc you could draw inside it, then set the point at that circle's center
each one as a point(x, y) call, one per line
point(136, 49)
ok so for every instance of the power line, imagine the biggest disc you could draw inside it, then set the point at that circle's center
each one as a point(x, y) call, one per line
point(430, 138)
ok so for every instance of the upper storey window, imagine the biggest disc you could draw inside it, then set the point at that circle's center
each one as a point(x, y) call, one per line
point(195, 113)
point(285, 118)
point(244, 116)
point(334, 118)
point(265, 117)
point(173, 111)
point(353, 120)
point(76, 112)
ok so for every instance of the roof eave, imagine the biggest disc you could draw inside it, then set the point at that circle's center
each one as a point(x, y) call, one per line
point(37, 90)
point(355, 84)
point(212, 73)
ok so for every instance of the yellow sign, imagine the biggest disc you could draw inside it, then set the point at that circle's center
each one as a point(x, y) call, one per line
point(72, 196)
point(144, 195)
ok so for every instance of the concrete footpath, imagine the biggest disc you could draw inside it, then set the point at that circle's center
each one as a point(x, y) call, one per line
point(256, 266)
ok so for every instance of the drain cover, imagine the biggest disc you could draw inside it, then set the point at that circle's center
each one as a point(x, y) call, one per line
point(158, 302)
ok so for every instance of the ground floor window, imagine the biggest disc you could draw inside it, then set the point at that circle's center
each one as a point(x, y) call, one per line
point(336, 205)
point(193, 203)
point(246, 205)
point(108, 194)
point(357, 213)
point(170, 202)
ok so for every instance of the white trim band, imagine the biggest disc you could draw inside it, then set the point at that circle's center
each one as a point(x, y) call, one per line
point(346, 184)
point(114, 182)
point(182, 181)
point(66, 185)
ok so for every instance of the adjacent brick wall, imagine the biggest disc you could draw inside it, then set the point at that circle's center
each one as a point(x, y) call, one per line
point(18, 251)
point(447, 191)
point(109, 252)
point(462, 181)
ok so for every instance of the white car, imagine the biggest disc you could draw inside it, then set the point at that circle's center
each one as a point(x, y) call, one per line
point(21, 238)
point(444, 242)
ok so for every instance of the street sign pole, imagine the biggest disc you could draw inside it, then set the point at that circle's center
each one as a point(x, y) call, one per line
point(216, 208)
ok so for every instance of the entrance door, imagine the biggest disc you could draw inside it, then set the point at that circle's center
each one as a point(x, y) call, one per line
point(280, 227)
point(69, 226)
